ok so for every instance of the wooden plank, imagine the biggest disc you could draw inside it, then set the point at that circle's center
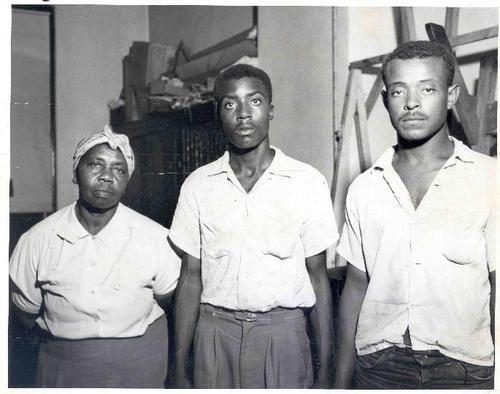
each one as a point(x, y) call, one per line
point(370, 61)
point(340, 63)
point(371, 70)
point(407, 24)
point(476, 57)
point(474, 36)
point(244, 35)
point(490, 123)
point(374, 94)
point(485, 95)
point(454, 41)
point(466, 105)
point(360, 120)
point(451, 21)
point(345, 124)
point(487, 79)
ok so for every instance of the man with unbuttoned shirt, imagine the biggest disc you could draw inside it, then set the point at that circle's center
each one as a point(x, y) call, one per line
point(417, 309)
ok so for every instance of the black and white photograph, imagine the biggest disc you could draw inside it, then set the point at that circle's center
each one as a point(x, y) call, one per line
point(249, 196)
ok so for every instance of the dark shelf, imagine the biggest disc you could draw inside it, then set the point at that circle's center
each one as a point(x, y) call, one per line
point(168, 147)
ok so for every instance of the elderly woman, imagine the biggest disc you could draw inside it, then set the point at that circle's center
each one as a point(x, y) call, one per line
point(90, 274)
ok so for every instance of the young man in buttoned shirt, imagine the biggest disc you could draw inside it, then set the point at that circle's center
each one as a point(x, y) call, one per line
point(253, 226)
point(91, 275)
point(419, 238)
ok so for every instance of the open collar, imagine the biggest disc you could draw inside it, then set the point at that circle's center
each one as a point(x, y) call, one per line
point(279, 166)
point(461, 152)
point(71, 230)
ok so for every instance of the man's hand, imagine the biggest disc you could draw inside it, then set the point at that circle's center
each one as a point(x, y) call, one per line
point(349, 308)
point(186, 311)
point(321, 318)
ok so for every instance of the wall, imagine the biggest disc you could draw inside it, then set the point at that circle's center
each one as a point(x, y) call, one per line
point(295, 48)
point(30, 144)
point(90, 44)
point(197, 26)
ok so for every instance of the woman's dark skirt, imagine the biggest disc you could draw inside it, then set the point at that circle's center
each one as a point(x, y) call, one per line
point(138, 362)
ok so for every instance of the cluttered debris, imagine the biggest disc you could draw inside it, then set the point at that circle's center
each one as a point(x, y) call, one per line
point(160, 78)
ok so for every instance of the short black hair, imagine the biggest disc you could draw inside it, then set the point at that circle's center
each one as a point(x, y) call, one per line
point(422, 50)
point(240, 71)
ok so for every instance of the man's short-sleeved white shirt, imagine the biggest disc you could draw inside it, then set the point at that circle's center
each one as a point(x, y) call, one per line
point(428, 268)
point(94, 286)
point(253, 245)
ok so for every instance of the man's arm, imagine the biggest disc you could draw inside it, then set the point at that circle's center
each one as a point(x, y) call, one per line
point(164, 300)
point(492, 303)
point(186, 311)
point(350, 305)
point(321, 317)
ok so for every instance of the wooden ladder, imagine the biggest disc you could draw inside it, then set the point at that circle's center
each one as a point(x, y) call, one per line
point(477, 113)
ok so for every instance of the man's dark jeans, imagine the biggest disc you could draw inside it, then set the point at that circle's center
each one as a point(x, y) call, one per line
point(396, 368)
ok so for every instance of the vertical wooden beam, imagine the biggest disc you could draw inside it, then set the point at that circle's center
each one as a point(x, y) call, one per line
point(345, 123)
point(341, 83)
point(466, 105)
point(360, 119)
point(405, 24)
point(374, 94)
point(485, 96)
point(340, 69)
point(451, 21)
point(340, 66)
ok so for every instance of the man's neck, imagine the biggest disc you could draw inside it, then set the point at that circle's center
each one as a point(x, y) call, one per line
point(249, 166)
point(93, 219)
point(437, 148)
point(251, 161)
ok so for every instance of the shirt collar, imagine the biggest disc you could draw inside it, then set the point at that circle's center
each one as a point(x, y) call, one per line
point(460, 152)
point(72, 230)
point(279, 166)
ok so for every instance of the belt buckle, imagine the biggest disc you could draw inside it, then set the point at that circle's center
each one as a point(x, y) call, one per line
point(245, 316)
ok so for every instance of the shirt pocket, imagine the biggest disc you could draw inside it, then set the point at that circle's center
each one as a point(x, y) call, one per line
point(463, 238)
point(279, 236)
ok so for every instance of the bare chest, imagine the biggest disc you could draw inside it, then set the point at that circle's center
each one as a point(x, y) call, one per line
point(417, 182)
point(248, 181)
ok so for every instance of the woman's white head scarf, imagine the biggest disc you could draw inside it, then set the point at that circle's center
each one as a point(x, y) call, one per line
point(107, 136)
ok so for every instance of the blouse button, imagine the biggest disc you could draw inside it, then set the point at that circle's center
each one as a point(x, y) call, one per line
point(116, 287)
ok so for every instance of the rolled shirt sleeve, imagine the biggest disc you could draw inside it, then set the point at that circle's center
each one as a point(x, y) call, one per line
point(319, 229)
point(350, 245)
point(185, 229)
point(26, 295)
